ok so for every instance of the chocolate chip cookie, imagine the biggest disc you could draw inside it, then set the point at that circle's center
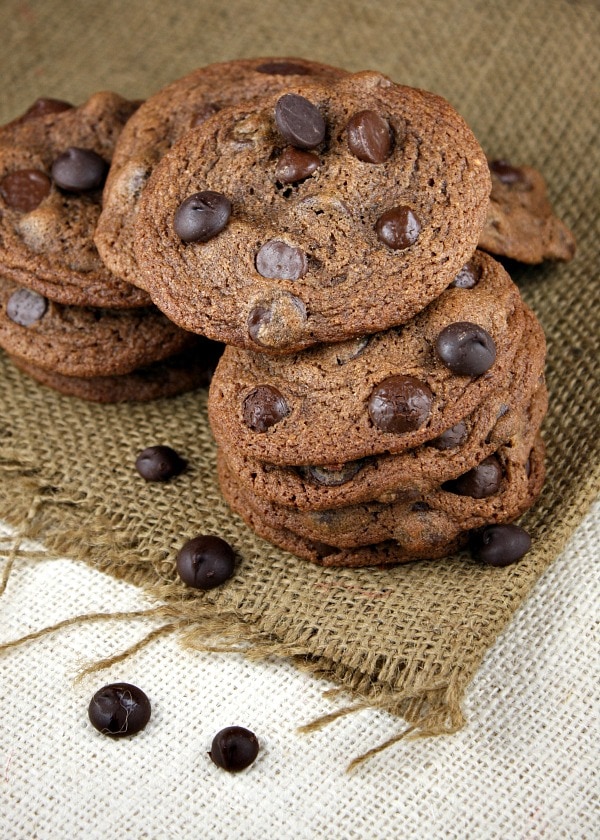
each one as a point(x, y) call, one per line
point(162, 120)
point(53, 164)
point(318, 213)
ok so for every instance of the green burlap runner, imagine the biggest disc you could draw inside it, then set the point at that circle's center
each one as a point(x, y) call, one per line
point(411, 638)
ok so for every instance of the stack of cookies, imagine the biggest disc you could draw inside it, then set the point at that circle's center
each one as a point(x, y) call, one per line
point(382, 390)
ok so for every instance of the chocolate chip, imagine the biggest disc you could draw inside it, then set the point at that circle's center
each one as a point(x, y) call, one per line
point(79, 170)
point(398, 228)
point(44, 106)
point(159, 463)
point(234, 748)
point(506, 173)
point(279, 260)
point(451, 438)
point(296, 165)
point(501, 545)
point(352, 349)
point(25, 189)
point(369, 137)
point(467, 277)
point(466, 348)
point(202, 114)
point(400, 404)
point(333, 475)
point(278, 322)
point(119, 709)
point(264, 407)
point(482, 481)
point(299, 121)
point(205, 562)
point(25, 307)
point(283, 68)
point(201, 216)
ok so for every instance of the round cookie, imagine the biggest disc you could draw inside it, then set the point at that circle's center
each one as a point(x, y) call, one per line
point(521, 223)
point(176, 375)
point(52, 170)
point(328, 404)
point(381, 477)
point(297, 245)
point(421, 541)
point(82, 341)
point(162, 120)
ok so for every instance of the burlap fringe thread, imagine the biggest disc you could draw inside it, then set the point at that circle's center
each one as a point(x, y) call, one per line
point(432, 711)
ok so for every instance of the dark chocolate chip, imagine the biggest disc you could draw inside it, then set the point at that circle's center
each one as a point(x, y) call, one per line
point(467, 277)
point(159, 463)
point(299, 121)
point(451, 438)
point(398, 228)
point(501, 545)
point(264, 407)
point(25, 307)
point(466, 348)
point(234, 748)
point(201, 216)
point(528, 467)
point(205, 562)
point(400, 404)
point(333, 475)
point(369, 137)
point(482, 481)
point(420, 507)
point(296, 165)
point(278, 260)
point(275, 323)
point(79, 170)
point(119, 709)
point(44, 106)
point(283, 68)
point(506, 173)
point(25, 189)
point(202, 114)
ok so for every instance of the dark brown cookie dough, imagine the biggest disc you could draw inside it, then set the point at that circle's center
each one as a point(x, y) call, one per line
point(162, 120)
point(521, 223)
point(392, 211)
point(317, 406)
point(425, 534)
point(495, 421)
point(84, 341)
point(52, 170)
point(176, 375)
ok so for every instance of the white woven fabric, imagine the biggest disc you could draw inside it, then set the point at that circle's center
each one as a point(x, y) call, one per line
point(526, 765)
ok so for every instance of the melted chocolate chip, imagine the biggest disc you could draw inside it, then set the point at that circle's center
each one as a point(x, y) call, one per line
point(299, 121)
point(369, 137)
point(333, 475)
point(398, 228)
point(119, 709)
point(506, 173)
point(277, 322)
point(25, 307)
point(482, 481)
point(201, 216)
point(501, 545)
point(25, 189)
point(283, 68)
point(205, 562)
point(467, 277)
point(278, 260)
point(466, 349)
point(451, 438)
point(348, 350)
point(296, 165)
point(234, 748)
point(400, 404)
point(44, 106)
point(79, 170)
point(264, 407)
point(159, 463)
point(202, 114)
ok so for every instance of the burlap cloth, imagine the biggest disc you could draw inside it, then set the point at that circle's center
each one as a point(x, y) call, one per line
point(409, 639)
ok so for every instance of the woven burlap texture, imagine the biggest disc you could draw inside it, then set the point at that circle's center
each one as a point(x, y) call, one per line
point(411, 638)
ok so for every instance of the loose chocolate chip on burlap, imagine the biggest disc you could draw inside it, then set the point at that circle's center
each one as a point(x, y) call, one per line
point(205, 562)
point(159, 463)
point(501, 545)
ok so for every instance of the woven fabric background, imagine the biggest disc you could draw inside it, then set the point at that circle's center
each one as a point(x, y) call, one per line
point(409, 639)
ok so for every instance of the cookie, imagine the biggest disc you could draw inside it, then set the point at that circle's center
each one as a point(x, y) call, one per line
point(521, 223)
point(422, 534)
point(84, 341)
point(386, 393)
point(176, 375)
point(318, 213)
point(162, 120)
point(381, 477)
point(52, 170)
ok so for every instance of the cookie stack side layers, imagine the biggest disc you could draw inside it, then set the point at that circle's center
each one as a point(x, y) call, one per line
point(364, 241)
point(162, 120)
